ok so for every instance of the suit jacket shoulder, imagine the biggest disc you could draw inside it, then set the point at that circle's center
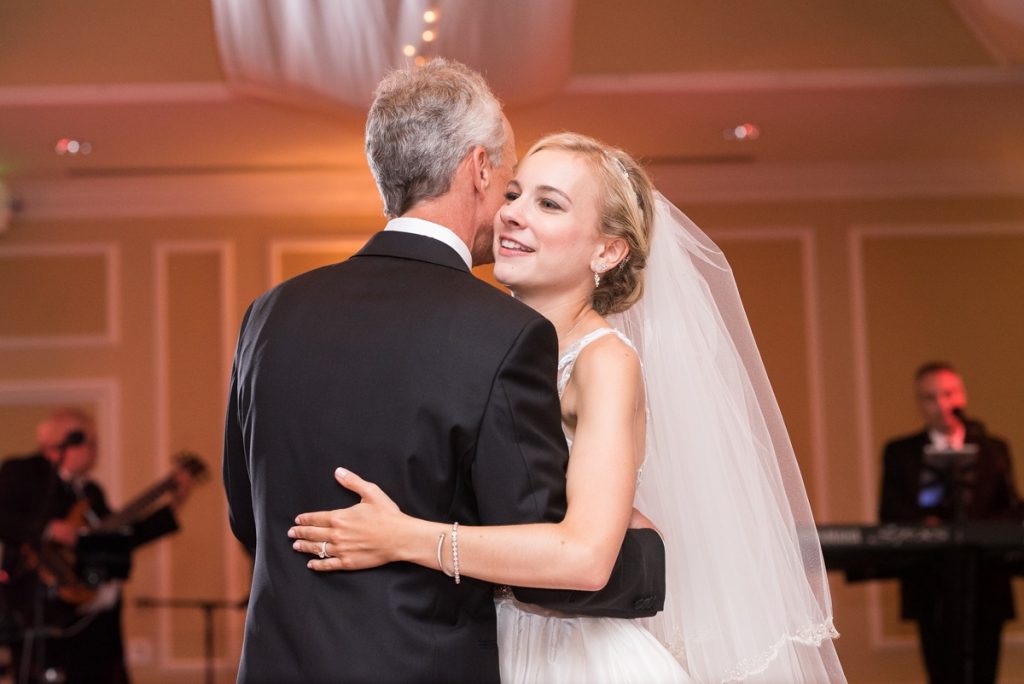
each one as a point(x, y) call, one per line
point(907, 443)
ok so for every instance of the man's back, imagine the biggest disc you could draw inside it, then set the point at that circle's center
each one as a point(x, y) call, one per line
point(399, 365)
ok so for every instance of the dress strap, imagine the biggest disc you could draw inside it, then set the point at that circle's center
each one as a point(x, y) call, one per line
point(568, 360)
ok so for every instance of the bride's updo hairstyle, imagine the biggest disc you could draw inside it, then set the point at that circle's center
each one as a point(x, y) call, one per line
point(627, 212)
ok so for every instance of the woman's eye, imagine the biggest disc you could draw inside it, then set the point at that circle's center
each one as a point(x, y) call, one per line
point(511, 196)
point(549, 204)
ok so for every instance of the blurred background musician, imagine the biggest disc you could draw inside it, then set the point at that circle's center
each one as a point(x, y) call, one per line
point(71, 631)
point(952, 471)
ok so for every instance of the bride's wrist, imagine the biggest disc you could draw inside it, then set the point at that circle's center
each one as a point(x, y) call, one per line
point(415, 541)
point(426, 536)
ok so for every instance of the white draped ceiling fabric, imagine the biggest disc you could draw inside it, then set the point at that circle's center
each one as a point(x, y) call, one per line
point(337, 50)
point(998, 24)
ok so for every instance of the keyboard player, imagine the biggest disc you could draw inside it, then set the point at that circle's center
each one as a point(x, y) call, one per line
point(951, 472)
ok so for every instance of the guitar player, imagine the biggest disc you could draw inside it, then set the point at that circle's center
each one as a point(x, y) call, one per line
point(46, 499)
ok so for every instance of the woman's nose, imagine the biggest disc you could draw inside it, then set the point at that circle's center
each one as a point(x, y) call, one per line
point(509, 214)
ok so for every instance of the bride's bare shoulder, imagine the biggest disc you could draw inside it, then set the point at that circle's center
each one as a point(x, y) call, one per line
point(609, 359)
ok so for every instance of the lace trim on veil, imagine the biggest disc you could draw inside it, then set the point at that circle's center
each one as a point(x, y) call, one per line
point(812, 635)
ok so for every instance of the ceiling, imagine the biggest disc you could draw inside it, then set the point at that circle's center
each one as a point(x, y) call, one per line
point(852, 99)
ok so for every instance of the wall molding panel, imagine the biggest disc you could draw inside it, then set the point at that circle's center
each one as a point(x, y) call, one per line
point(164, 253)
point(277, 250)
point(111, 255)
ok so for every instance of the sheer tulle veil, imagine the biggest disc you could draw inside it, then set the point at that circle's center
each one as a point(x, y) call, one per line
point(747, 593)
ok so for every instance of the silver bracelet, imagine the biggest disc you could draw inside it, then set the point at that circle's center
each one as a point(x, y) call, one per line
point(440, 563)
point(455, 552)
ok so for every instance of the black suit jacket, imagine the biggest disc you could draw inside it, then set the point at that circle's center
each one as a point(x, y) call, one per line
point(403, 367)
point(993, 497)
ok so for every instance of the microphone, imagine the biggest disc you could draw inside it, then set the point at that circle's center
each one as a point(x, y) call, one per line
point(73, 438)
point(971, 427)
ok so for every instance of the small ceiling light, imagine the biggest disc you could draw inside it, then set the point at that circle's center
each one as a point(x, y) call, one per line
point(420, 60)
point(430, 16)
point(71, 146)
point(428, 36)
point(745, 131)
point(409, 50)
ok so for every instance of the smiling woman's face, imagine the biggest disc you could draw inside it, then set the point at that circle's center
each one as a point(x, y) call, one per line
point(546, 233)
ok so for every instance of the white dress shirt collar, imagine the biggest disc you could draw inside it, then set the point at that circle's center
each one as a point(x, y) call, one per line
point(416, 226)
point(951, 442)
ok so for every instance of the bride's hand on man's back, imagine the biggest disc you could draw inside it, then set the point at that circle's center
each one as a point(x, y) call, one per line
point(358, 537)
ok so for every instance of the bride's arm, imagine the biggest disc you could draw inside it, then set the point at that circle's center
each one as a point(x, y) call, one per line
point(578, 553)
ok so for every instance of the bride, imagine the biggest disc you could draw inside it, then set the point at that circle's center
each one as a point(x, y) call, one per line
point(665, 404)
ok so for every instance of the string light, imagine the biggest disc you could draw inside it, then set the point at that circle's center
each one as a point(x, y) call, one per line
point(421, 54)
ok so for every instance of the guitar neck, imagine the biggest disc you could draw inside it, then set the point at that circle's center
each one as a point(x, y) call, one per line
point(137, 506)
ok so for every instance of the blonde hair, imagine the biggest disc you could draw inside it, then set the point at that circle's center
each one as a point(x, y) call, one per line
point(627, 212)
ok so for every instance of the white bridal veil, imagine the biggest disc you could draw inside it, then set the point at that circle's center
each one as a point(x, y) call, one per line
point(747, 594)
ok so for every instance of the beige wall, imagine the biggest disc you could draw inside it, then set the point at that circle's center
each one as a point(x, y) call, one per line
point(135, 320)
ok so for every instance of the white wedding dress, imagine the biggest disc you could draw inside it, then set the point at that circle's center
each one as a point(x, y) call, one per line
point(540, 646)
point(747, 597)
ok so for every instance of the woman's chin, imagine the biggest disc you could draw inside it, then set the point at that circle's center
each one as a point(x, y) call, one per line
point(504, 273)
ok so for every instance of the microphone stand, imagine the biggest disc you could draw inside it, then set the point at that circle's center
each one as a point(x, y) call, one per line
point(208, 606)
point(962, 483)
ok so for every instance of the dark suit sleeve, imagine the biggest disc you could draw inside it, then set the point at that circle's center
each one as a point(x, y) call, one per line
point(635, 589)
point(19, 523)
point(1007, 501)
point(157, 524)
point(519, 477)
point(236, 472)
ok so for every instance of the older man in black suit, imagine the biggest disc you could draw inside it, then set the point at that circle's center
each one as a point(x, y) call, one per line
point(401, 365)
point(982, 488)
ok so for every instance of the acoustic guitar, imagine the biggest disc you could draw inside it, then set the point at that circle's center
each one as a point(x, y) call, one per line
point(55, 564)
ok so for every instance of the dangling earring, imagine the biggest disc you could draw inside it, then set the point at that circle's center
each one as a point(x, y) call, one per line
point(597, 273)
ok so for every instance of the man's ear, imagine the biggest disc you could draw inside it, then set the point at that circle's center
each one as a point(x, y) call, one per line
point(481, 165)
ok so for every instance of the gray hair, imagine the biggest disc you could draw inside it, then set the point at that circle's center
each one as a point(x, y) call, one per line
point(423, 122)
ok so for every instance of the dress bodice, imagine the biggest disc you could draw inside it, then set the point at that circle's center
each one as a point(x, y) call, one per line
point(536, 644)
